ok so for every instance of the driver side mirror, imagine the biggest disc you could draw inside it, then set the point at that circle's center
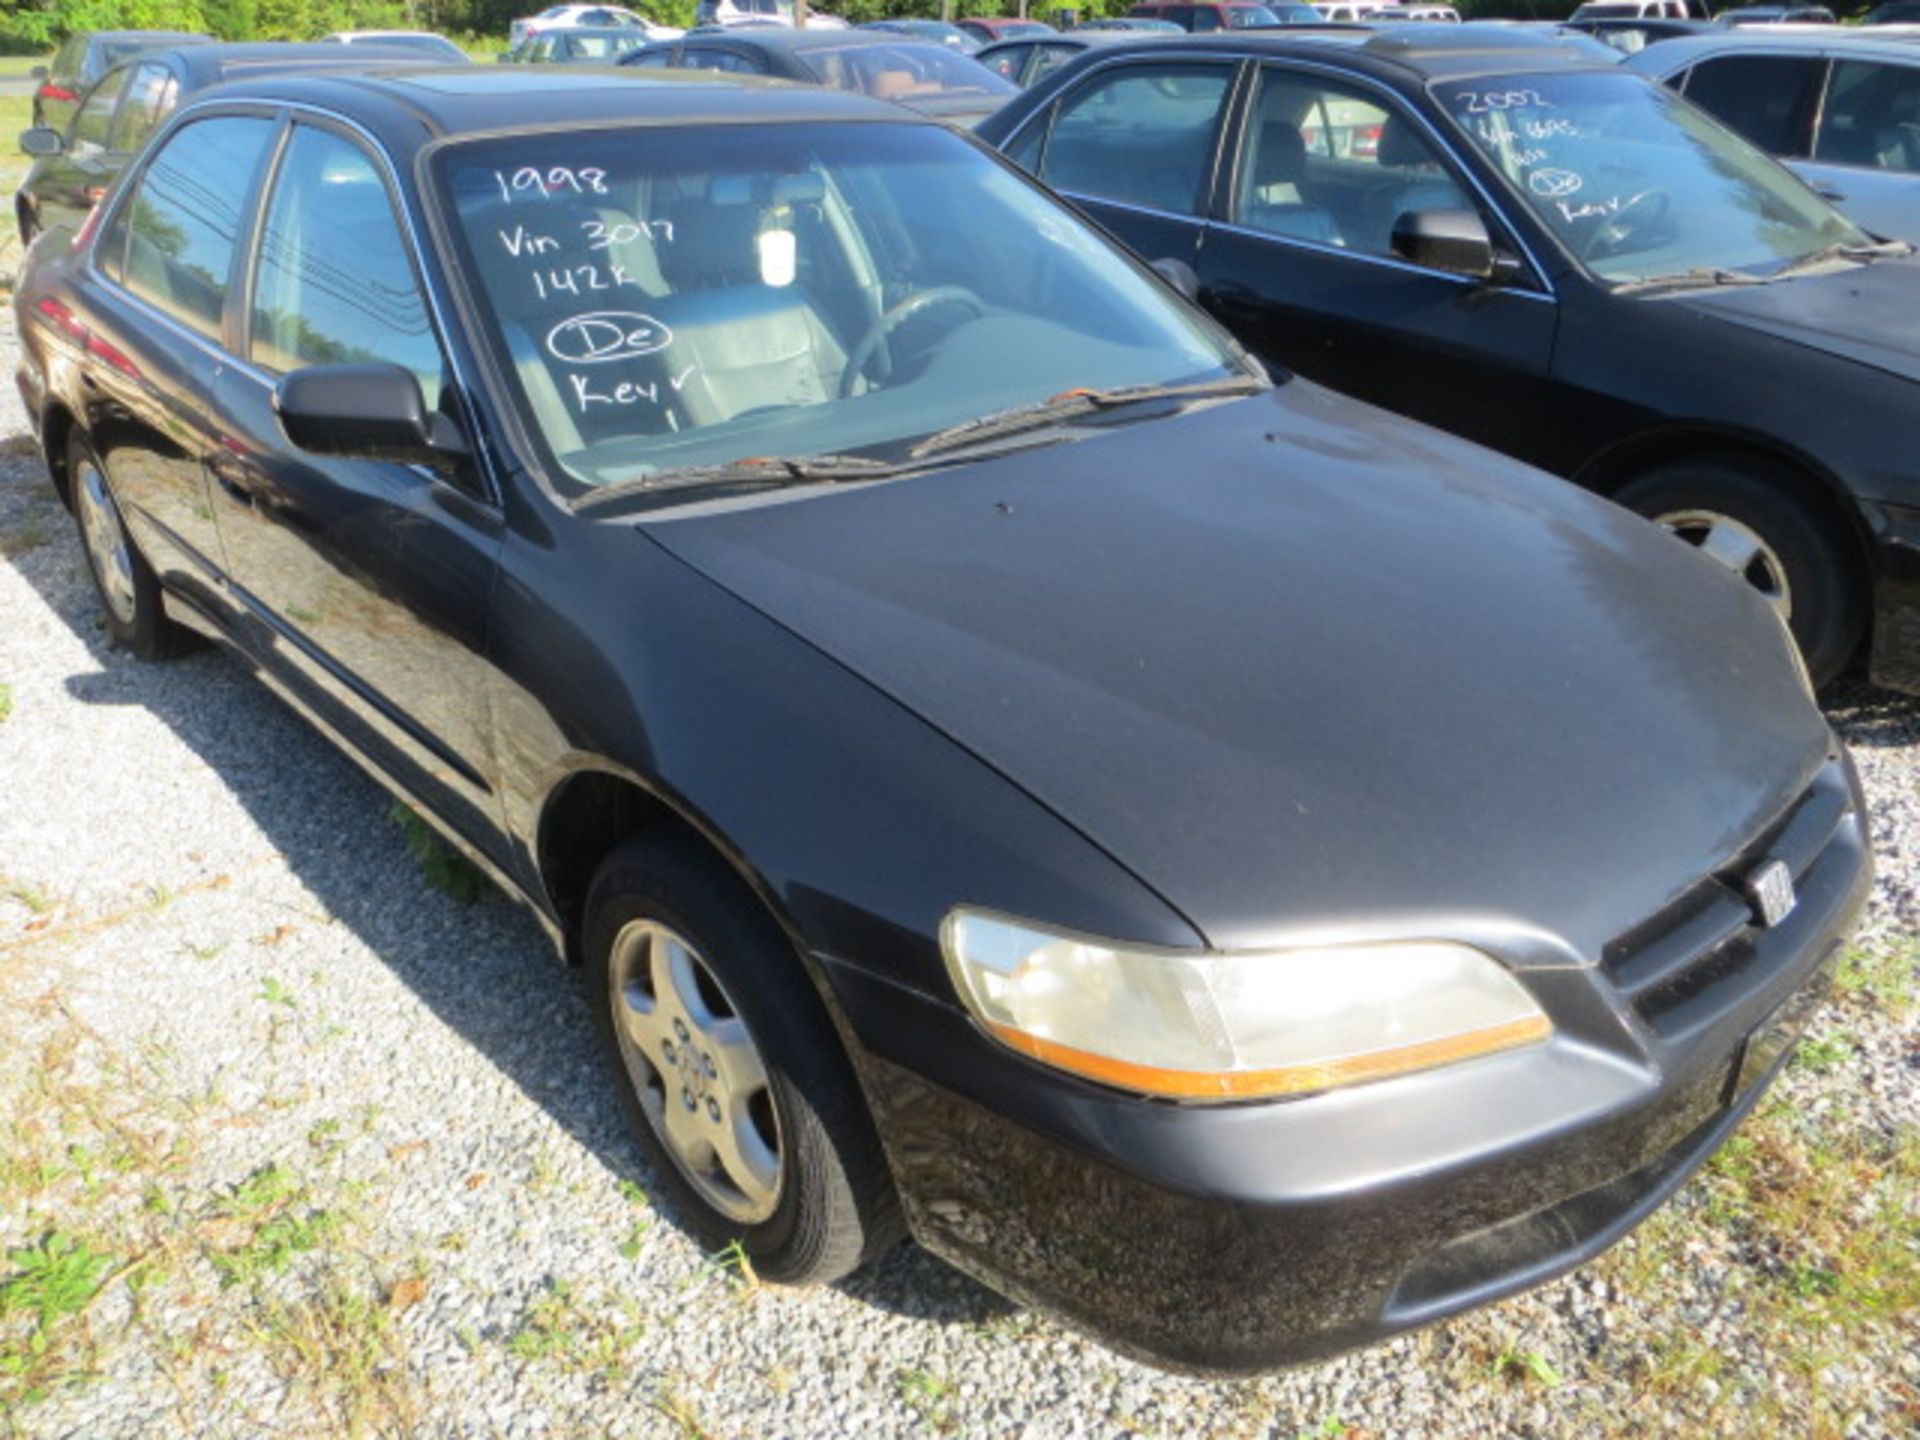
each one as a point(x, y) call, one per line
point(368, 412)
point(42, 140)
point(1453, 241)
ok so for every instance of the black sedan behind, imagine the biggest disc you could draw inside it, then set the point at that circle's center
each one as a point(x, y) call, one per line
point(1549, 255)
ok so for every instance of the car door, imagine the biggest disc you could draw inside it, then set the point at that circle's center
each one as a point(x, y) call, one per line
point(166, 259)
point(1134, 145)
point(1300, 263)
point(1866, 145)
point(365, 582)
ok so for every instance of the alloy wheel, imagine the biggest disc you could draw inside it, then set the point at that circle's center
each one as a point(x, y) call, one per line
point(108, 549)
point(1740, 548)
point(699, 1076)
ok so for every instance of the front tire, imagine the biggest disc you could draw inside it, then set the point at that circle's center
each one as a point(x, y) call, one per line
point(730, 1069)
point(128, 589)
point(1756, 518)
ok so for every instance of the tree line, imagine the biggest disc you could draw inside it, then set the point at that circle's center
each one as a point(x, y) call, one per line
point(37, 25)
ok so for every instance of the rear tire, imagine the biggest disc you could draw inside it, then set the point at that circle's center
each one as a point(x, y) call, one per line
point(128, 589)
point(732, 1062)
point(1758, 519)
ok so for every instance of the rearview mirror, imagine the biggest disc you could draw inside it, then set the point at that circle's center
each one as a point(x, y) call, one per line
point(1455, 241)
point(42, 140)
point(1180, 276)
point(370, 412)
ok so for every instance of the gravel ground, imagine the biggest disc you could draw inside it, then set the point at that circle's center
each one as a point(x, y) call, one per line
point(328, 1151)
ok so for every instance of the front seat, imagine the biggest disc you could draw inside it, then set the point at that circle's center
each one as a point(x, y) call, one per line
point(739, 343)
point(1280, 164)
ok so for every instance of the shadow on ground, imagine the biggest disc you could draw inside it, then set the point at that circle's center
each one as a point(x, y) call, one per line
point(485, 969)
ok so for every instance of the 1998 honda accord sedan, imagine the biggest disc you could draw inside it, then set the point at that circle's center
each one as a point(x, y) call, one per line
point(1237, 869)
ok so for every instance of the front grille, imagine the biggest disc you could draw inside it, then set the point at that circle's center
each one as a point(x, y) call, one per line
point(1682, 966)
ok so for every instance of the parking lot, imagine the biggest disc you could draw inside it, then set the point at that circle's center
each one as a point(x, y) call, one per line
point(297, 1136)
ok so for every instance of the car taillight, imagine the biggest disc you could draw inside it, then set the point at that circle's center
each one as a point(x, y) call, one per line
point(74, 328)
point(51, 91)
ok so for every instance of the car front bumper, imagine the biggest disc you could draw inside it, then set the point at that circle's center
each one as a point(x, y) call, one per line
point(1236, 1239)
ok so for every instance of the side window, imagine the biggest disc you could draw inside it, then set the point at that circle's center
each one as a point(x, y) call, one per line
point(1008, 61)
point(181, 226)
point(1872, 117)
point(1141, 134)
point(652, 59)
point(1769, 99)
point(1051, 57)
point(150, 99)
point(95, 115)
point(1202, 18)
point(1328, 163)
point(333, 285)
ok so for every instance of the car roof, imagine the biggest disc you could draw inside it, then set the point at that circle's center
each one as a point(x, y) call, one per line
point(1413, 49)
point(1086, 38)
point(1670, 55)
point(210, 64)
point(781, 37)
point(407, 105)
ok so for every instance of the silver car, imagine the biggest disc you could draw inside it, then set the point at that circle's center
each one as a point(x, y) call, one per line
point(1842, 110)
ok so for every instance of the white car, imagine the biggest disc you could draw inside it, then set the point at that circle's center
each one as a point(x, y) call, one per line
point(560, 17)
point(1346, 14)
point(762, 12)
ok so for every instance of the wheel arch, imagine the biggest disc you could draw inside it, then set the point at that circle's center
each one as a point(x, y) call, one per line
point(598, 805)
point(57, 424)
point(1610, 471)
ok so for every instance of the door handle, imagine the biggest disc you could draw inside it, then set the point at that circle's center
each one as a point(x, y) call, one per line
point(1229, 296)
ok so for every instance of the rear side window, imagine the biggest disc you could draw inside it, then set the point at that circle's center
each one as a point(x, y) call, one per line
point(95, 116)
point(182, 223)
point(150, 99)
point(1007, 63)
point(334, 286)
point(1143, 135)
point(1768, 99)
point(1872, 117)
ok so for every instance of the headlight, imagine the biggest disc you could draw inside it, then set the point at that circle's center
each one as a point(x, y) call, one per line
point(1194, 1026)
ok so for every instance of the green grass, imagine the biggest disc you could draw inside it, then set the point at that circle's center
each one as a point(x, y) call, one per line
point(443, 868)
point(21, 64)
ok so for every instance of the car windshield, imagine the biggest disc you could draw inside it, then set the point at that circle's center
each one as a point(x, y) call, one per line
point(746, 291)
point(1249, 17)
point(1637, 184)
point(907, 71)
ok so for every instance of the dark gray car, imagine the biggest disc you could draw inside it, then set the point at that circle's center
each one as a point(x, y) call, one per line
point(1841, 109)
point(74, 166)
point(82, 59)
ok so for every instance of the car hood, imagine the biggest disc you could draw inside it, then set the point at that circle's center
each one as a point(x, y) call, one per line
point(1298, 664)
point(1863, 313)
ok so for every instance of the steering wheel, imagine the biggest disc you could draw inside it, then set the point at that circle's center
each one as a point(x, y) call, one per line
point(904, 310)
point(1615, 228)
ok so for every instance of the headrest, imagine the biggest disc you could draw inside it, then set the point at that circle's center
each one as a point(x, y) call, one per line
point(1283, 154)
point(1400, 144)
point(713, 244)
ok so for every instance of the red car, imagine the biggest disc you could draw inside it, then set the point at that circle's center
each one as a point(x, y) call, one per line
point(1004, 27)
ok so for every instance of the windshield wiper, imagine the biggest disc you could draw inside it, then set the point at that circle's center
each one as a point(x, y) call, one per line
point(1700, 275)
point(1865, 254)
point(759, 473)
point(1069, 404)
